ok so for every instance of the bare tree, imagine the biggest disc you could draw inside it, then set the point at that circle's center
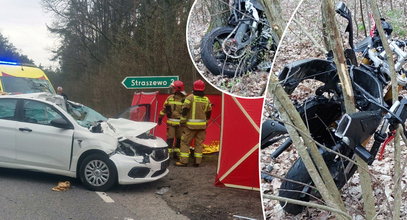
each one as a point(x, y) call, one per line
point(340, 61)
point(273, 12)
point(394, 89)
point(219, 11)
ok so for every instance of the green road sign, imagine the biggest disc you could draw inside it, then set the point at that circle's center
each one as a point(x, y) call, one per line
point(148, 82)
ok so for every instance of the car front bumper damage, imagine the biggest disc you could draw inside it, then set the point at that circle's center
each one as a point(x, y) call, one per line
point(137, 163)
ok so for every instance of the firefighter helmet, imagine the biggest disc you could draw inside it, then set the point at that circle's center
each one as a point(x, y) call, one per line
point(199, 85)
point(178, 86)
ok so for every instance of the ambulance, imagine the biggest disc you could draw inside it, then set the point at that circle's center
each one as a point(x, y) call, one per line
point(16, 78)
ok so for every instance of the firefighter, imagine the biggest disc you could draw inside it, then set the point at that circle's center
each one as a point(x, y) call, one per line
point(196, 111)
point(172, 109)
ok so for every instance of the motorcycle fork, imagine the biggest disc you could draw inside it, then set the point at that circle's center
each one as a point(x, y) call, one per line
point(240, 32)
point(352, 166)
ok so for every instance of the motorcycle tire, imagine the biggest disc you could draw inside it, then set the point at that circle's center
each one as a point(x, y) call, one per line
point(216, 60)
point(298, 172)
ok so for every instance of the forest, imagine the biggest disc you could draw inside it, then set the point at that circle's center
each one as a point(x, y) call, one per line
point(7, 49)
point(103, 41)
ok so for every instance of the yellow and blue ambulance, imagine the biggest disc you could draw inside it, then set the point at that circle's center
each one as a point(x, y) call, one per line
point(18, 78)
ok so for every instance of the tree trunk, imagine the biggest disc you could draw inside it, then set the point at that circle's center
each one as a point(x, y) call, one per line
point(354, 17)
point(334, 41)
point(325, 31)
point(293, 121)
point(394, 89)
point(219, 12)
point(336, 44)
point(273, 13)
point(363, 17)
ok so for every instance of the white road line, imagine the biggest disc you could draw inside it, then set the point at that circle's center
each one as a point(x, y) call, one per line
point(105, 197)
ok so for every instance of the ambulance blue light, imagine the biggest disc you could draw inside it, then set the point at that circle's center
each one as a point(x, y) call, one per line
point(8, 62)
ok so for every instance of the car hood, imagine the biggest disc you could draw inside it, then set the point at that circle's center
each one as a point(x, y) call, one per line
point(126, 128)
point(135, 132)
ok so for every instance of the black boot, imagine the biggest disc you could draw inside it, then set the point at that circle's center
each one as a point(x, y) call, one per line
point(175, 154)
point(170, 142)
point(177, 149)
point(192, 153)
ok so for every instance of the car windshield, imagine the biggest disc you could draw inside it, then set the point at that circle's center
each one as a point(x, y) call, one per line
point(85, 116)
point(14, 84)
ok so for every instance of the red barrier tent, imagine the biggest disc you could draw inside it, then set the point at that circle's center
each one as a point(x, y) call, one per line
point(145, 98)
point(238, 164)
point(236, 123)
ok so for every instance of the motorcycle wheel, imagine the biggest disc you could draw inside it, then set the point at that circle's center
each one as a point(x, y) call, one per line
point(298, 172)
point(217, 62)
point(292, 190)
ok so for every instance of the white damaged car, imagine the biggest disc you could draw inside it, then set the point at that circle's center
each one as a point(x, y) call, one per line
point(43, 132)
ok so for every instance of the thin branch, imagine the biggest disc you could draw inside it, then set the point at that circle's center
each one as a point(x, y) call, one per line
point(316, 44)
point(309, 204)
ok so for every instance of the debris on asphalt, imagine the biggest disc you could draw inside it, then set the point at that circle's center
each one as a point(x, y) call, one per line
point(62, 186)
point(242, 217)
point(162, 190)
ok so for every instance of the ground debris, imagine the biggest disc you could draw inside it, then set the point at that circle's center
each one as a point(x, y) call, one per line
point(62, 186)
point(162, 190)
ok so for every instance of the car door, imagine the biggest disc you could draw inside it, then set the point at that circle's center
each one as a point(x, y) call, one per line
point(7, 129)
point(38, 143)
point(139, 112)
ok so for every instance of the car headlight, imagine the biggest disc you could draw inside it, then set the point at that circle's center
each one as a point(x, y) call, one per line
point(160, 154)
point(131, 149)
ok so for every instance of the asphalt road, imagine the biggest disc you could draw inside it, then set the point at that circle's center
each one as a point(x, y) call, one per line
point(28, 195)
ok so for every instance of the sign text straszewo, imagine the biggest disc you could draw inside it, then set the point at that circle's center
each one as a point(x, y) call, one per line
point(148, 82)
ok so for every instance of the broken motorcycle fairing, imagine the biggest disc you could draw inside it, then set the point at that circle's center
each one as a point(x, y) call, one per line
point(322, 70)
point(320, 111)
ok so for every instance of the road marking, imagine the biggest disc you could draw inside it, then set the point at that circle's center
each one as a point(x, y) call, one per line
point(105, 197)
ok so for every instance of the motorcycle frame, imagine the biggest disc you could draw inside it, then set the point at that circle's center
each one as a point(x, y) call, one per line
point(243, 24)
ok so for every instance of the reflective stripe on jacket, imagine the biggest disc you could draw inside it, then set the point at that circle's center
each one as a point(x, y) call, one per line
point(173, 121)
point(172, 107)
point(197, 106)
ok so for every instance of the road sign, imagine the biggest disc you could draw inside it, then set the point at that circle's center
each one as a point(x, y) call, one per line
point(148, 82)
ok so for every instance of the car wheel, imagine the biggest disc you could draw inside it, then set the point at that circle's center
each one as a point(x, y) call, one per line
point(98, 172)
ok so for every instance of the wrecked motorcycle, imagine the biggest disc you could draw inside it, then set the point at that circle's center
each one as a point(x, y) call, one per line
point(347, 134)
point(239, 47)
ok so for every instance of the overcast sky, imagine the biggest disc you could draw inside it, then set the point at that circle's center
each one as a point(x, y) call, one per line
point(23, 23)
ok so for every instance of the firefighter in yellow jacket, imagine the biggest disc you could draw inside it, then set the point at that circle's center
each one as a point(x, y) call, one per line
point(172, 109)
point(196, 111)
